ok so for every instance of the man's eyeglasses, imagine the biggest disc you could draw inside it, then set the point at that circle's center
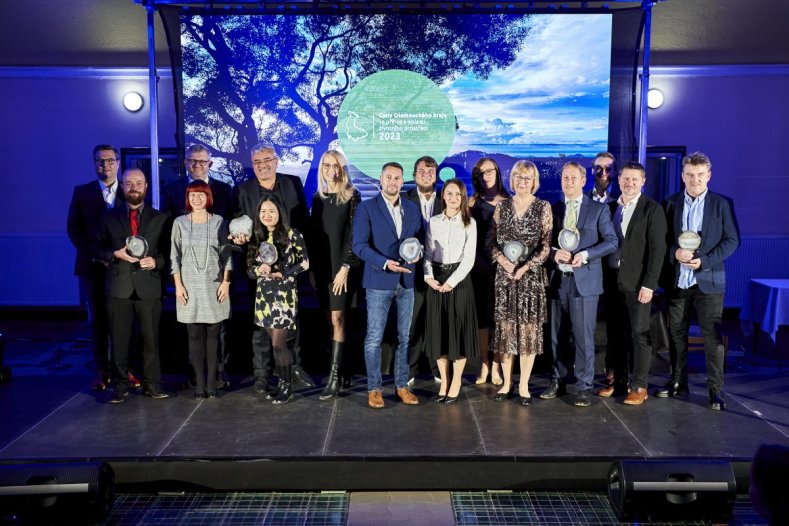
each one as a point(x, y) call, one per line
point(198, 162)
point(600, 169)
point(108, 162)
point(261, 162)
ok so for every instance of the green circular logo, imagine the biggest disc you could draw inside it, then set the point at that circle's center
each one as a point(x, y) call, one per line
point(395, 115)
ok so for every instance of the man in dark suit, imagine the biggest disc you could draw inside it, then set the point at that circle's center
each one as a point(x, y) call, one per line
point(380, 225)
point(134, 285)
point(428, 199)
point(88, 203)
point(198, 165)
point(697, 278)
point(290, 191)
point(603, 171)
point(640, 226)
point(576, 284)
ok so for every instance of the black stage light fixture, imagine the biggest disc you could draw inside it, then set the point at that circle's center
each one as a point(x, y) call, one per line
point(69, 492)
point(668, 490)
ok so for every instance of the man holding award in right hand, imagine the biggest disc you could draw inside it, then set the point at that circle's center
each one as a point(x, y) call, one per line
point(703, 232)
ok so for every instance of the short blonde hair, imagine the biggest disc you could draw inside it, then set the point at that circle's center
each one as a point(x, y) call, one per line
point(526, 168)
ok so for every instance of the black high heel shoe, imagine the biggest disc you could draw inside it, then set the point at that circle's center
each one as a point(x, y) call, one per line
point(440, 399)
point(525, 400)
point(501, 397)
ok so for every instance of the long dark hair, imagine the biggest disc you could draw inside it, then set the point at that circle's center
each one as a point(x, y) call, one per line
point(478, 183)
point(465, 213)
point(260, 231)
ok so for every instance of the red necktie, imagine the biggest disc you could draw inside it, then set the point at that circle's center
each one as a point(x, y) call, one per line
point(135, 221)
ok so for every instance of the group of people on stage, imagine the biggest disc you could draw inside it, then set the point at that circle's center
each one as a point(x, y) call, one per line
point(493, 268)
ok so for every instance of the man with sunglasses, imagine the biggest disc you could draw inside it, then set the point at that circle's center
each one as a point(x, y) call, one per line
point(88, 203)
point(604, 172)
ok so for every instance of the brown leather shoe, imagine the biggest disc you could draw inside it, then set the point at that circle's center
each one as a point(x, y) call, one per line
point(606, 391)
point(375, 399)
point(407, 396)
point(637, 396)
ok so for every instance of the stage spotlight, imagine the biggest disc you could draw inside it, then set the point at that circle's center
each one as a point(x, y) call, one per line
point(670, 490)
point(654, 98)
point(133, 101)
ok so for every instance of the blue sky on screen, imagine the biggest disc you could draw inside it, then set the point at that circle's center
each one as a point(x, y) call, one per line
point(556, 92)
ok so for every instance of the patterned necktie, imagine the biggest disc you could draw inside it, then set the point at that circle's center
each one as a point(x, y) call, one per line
point(570, 218)
point(135, 221)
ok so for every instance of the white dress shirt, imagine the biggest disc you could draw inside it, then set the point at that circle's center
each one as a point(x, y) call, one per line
point(426, 205)
point(449, 241)
point(396, 211)
point(109, 193)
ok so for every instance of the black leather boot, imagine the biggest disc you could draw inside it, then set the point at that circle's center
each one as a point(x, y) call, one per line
point(284, 395)
point(332, 388)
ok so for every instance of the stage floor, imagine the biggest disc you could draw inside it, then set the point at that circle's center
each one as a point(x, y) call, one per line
point(48, 412)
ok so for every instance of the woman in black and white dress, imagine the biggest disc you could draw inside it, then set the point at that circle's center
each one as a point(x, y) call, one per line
point(451, 325)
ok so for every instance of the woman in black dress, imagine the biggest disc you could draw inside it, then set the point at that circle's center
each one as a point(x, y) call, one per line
point(451, 325)
point(333, 269)
point(276, 300)
point(488, 192)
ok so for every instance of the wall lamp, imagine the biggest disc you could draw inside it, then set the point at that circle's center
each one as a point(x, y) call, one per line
point(133, 101)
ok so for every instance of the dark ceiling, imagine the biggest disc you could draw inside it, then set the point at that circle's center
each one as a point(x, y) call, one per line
point(113, 32)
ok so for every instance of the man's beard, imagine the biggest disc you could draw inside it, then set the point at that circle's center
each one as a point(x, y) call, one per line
point(135, 198)
point(429, 189)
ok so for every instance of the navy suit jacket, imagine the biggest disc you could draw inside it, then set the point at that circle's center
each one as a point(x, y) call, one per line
point(597, 238)
point(720, 237)
point(84, 217)
point(375, 241)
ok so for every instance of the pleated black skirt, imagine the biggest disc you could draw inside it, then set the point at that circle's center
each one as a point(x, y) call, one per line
point(451, 324)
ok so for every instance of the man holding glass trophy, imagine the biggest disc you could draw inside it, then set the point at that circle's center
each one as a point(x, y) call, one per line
point(386, 233)
point(703, 233)
point(129, 242)
point(582, 235)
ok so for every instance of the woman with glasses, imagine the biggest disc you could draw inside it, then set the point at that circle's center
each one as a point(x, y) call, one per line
point(276, 295)
point(488, 192)
point(519, 288)
point(334, 263)
point(201, 271)
point(451, 319)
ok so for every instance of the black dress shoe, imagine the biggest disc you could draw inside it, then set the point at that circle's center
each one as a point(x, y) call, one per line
point(582, 399)
point(716, 401)
point(500, 397)
point(262, 386)
point(440, 399)
point(555, 389)
point(155, 393)
point(672, 389)
point(210, 394)
point(525, 400)
point(198, 396)
point(118, 397)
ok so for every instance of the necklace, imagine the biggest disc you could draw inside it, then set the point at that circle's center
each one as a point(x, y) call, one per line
point(192, 247)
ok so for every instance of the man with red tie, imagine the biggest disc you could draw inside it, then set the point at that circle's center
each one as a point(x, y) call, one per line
point(133, 283)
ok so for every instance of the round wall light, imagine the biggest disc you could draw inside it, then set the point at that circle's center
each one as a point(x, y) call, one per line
point(133, 101)
point(654, 98)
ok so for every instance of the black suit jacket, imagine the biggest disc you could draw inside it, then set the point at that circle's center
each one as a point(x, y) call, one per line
point(288, 188)
point(720, 237)
point(84, 217)
point(643, 250)
point(124, 278)
point(175, 198)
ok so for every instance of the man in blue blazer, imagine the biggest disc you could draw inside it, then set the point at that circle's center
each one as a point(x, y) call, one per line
point(380, 225)
point(576, 283)
point(697, 278)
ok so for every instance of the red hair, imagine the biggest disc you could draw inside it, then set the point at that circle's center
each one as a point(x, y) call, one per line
point(198, 186)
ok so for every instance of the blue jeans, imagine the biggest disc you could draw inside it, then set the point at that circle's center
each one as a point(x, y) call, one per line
point(378, 303)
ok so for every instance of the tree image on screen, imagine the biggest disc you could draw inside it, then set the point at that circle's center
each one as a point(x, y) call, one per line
point(282, 79)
